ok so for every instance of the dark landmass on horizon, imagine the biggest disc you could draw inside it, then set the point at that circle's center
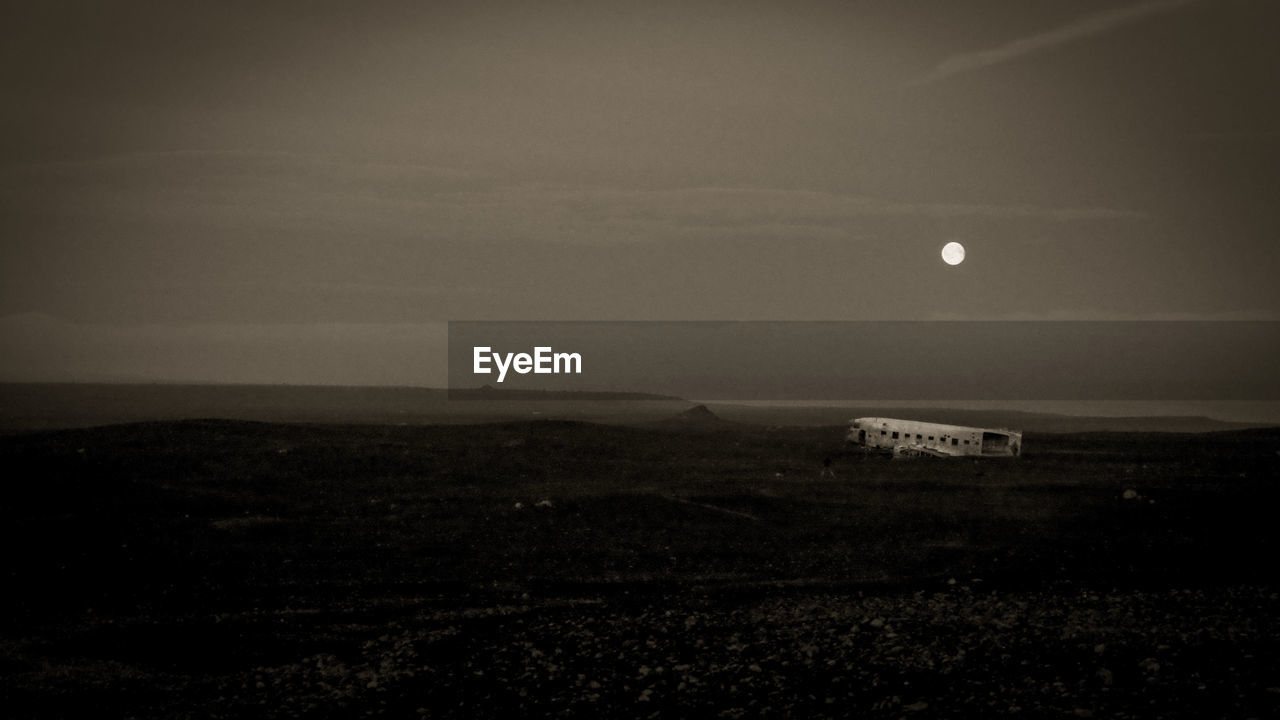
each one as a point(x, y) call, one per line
point(45, 406)
point(489, 392)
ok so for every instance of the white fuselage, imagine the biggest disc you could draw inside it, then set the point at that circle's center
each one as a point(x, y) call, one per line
point(935, 438)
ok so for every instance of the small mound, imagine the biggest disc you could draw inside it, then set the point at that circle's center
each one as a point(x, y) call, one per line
point(700, 416)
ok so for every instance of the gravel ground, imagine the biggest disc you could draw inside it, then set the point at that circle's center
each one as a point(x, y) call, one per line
point(960, 651)
point(226, 570)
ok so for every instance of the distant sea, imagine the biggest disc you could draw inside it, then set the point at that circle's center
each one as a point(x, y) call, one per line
point(1261, 412)
point(49, 406)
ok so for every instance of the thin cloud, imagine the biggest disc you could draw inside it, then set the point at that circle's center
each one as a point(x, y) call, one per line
point(1089, 26)
point(228, 195)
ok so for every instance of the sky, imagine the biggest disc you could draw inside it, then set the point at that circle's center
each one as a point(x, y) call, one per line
point(305, 192)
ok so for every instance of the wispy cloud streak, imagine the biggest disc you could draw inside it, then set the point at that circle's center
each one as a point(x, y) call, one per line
point(224, 196)
point(1089, 26)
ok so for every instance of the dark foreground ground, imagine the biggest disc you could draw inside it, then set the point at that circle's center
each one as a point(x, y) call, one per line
point(229, 569)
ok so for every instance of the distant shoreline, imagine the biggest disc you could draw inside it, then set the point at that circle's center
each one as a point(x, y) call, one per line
point(45, 406)
point(1234, 411)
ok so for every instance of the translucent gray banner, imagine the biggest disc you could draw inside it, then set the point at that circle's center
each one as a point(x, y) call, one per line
point(1176, 360)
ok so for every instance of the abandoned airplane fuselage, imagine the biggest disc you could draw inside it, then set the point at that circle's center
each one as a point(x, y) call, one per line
point(910, 437)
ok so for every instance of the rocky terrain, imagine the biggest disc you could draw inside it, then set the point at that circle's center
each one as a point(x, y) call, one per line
point(686, 568)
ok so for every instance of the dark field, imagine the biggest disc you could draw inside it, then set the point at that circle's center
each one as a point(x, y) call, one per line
point(233, 569)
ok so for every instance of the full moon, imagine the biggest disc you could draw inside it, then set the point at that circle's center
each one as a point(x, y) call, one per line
point(953, 253)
